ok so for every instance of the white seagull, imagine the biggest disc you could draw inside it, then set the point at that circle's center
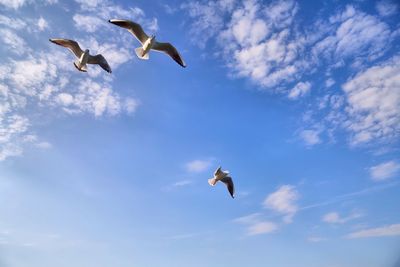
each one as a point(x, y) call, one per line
point(148, 43)
point(223, 176)
point(83, 56)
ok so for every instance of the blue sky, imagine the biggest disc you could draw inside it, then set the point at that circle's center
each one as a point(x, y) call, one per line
point(299, 101)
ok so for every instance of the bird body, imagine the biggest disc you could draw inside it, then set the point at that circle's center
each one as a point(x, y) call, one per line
point(80, 63)
point(83, 57)
point(148, 43)
point(223, 176)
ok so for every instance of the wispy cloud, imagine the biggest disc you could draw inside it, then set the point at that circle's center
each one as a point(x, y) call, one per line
point(198, 165)
point(283, 201)
point(269, 46)
point(389, 230)
point(299, 90)
point(384, 170)
point(374, 103)
point(35, 80)
point(315, 239)
point(343, 197)
point(310, 137)
point(335, 218)
point(256, 225)
point(386, 8)
point(264, 227)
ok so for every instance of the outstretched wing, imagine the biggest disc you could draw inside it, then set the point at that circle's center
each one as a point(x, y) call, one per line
point(70, 44)
point(170, 50)
point(100, 60)
point(218, 172)
point(132, 27)
point(229, 184)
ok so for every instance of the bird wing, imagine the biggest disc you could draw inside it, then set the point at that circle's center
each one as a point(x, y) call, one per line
point(229, 184)
point(100, 60)
point(170, 50)
point(217, 172)
point(132, 27)
point(70, 44)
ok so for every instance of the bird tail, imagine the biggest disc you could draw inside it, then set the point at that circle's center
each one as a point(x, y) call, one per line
point(212, 181)
point(139, 52)
point(82, 68)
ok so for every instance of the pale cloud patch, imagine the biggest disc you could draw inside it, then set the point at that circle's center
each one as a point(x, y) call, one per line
point(256, 225)
point(384, 170)
point(335, 218)
point(182, 183)
point(264, 227)
point(353, 33)
point(14, 23)
point(43, 145)
point(130, 105)
point(15, 4)
point(37, 81)
point(315, 239)
point(329, 82)
point(88, 23)
point(386, 8)
point(299, 90)
point(15, 43)
point(389, 230)
point(198, 165)
point(13, 130)
point(373, 99)
point(42, 24)
point(310, 137)
point(283, 201)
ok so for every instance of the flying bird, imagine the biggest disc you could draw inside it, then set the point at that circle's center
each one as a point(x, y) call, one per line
point(83, 56)
point(223, 176)
point(148, 43)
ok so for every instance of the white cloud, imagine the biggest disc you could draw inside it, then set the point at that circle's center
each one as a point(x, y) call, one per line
point(389, 230)
point(14, 23)
point(329, 82)
point(310, 137)
point(335, 218)
point(182, 183)
point(43, 145)
point(262, 42)
point(256, 226)
point(384, 170)
point(42, 24)
point(283, 201)
point(13, 130)
point(130, 105)
point(300, 89)
point(386, 8)
point(198, 165)
point(315, 239)
point(15, 43)
point(88, 23)
point(262, 228)
point(90, 3)
point(13, 3)
point(373, 98)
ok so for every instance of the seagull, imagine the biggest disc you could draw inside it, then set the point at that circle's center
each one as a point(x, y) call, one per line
point(148, 43)
point(223, 176)
point(83, 56)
